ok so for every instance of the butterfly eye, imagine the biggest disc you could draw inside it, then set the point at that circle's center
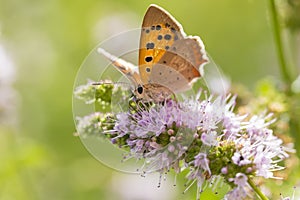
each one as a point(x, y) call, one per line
point(140, 89)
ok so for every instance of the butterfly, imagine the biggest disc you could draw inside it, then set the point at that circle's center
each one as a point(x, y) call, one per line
point(169, 61)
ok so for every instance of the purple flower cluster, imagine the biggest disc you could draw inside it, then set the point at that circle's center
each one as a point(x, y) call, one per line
point(192, 131)
point(256, 145)
point(240, 191)
point(202, 134)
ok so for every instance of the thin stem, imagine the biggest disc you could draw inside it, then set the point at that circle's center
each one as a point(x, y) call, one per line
point(278, 40)
point(257, 190)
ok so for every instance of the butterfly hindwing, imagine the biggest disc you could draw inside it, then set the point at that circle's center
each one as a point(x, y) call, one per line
point(192, 50)
point(179, 66)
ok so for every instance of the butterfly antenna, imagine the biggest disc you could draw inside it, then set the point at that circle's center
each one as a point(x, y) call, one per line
point(112, 83)
point(100, 83)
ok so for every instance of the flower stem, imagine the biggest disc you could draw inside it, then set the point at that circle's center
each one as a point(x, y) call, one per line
point(257, 190)
point(278, 41)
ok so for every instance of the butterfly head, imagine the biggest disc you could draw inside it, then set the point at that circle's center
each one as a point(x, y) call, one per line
point(152, 93)
point(139, 92)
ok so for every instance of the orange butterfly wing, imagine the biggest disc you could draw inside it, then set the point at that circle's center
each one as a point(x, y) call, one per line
point(166, 55)
point(159, 32)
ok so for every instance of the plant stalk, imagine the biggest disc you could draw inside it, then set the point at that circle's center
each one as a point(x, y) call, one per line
point(257, 190)
point(279, 45)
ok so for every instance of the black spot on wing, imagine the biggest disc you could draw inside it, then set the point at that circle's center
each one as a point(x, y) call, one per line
point(150, 45)
point(168, 37)
point(148, 59)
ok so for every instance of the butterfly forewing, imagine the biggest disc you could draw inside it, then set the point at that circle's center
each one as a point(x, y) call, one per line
point(159, 31)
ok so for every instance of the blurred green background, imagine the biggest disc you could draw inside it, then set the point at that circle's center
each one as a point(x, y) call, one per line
point(45, 43)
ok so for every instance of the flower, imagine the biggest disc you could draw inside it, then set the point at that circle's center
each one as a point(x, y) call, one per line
point(86, 92)
point(94, 124)
point(202, 134)
point(236, 193)
point(259, 147)
point(239, 192)
point(240, 160)
point(202, 161)
point(210, 138)
point(170, 123)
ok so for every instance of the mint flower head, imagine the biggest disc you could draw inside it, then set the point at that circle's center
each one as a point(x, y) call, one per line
point(239, 192)
point(201, 134)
